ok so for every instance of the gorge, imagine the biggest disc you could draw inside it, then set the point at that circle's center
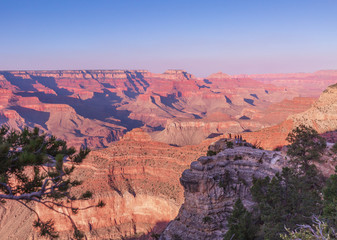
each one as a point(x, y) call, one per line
point(147, 128)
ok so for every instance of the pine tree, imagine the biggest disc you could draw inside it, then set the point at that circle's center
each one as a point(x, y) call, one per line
point(294, 195)
point(306, 146)
point(240, 223)
point(330, 200)
point(284, 200)
point(37, 168)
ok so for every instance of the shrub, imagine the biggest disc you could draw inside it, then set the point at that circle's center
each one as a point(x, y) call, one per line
point(211, 153)
point(334, 148)
point(229, 144)
point(206, 219)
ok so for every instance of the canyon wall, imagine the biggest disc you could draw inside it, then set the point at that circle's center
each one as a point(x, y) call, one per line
point(322, 116)
point(137, 178)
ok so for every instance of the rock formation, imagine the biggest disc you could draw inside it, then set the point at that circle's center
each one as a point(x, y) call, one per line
point(322, 116)
point(212, 184)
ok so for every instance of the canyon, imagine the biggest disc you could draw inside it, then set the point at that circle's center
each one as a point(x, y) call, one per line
point(93, 108)
point(148, 128)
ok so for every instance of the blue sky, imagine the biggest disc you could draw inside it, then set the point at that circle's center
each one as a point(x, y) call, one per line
point(201, 37)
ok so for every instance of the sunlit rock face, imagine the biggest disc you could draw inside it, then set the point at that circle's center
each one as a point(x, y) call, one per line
point(137, 178)
point(322, 116)
point(213, 184)
point(193, 131)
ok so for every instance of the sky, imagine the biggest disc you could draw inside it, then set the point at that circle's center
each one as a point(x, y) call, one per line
point(200, 36)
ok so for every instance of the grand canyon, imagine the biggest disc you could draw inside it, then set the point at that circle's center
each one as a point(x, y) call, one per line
point(168, 120)
point(145, 129)
point(94, 108)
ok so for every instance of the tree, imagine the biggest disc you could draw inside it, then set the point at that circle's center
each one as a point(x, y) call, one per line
point(240, 223)
point(330, 200)
point(306, 146)
point(284, 200)
point(318, 231)
point(294, 195)
point(37, 168)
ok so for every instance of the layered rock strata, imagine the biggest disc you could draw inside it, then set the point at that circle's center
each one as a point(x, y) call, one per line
point(93, 108)
point(137, 178)
point(322, 116)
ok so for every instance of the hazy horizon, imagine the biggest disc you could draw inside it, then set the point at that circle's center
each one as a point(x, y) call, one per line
point(139, 69)
point(240, 37)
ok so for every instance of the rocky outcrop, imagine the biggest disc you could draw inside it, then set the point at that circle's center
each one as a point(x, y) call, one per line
point(177, 74)
point(212, 184)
